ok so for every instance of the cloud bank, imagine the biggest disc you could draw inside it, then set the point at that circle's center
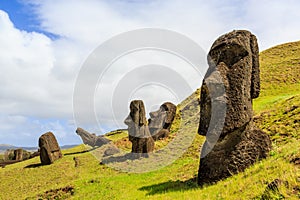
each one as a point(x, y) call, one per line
point(38, 72)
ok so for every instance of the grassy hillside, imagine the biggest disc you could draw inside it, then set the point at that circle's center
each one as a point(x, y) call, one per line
point(277, 113)
point(280, 75)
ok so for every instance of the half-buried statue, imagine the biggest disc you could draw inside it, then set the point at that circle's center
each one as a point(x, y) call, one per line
point(139, 135)
point(161, 120)
point(232, 143)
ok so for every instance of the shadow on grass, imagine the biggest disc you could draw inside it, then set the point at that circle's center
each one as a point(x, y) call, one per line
point(170, 186)
point(33, 165)
point(80, 152)
point(123, 158)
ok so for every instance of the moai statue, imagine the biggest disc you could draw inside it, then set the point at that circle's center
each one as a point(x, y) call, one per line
point(230, 84)
point(161, 120)
point(49, 148)
point(18, 154)
point(138, 130)
point(92, 139)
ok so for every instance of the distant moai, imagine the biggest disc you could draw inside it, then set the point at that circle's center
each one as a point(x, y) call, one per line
point(231, 82)
point(160, 121)
point(49, 148)
point(18, 154)
point(139, 135)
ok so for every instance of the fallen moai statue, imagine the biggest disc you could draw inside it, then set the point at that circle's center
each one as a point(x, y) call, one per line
point(92, 139)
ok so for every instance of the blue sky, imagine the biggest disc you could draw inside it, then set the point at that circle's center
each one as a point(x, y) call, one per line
point(23, 16)
point(44, 44)
point(20, 15)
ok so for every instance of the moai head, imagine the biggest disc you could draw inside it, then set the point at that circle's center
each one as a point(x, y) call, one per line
point(86, 137)
point(18, 154)
point(136, 118)
point(163, 117)
point(234, 59)
point(138, 130)
point(49, 148)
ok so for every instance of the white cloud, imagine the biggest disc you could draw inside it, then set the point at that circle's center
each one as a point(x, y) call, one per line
point(38, 74)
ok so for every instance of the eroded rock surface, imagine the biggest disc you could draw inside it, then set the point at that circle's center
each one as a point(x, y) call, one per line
point(49, 148)
point(231, 82)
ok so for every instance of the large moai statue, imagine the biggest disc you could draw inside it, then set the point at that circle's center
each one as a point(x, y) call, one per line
point(49, 148)
point(138, 130)
point(160, 121)
point(230, 84)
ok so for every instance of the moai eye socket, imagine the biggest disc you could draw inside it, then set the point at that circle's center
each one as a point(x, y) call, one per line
point(228, 53)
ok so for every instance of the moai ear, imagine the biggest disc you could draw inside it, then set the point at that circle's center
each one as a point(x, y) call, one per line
point(255, 79)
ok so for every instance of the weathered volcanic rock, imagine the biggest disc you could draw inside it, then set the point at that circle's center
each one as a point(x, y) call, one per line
point(49, 148)
point(91, 138)
point(231, 82)
point(161, 120)
point(16, 155)
point(138, 130)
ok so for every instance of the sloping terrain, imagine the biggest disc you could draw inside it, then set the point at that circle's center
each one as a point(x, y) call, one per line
point(277, 177)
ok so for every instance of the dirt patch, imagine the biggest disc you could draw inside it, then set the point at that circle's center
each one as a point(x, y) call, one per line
point(272, 190)
point(295, 161)
point(61, 193)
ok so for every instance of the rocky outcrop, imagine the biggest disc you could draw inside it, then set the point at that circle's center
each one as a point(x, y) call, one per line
point(92, 139)
point(160, 121)
point(49, 149)
point(231, 82)
point(139, 135)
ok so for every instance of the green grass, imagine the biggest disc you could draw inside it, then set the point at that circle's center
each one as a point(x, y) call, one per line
point(282, 120)
point(277, 112)
point(93, 181)
point(280, 75)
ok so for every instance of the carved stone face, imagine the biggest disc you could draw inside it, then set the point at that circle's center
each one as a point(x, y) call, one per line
point(136, 119)
point(158, 118)
point(138, 131)
point(234, 57)
point(137, 113)
point(86, 137)
point(163, 117)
